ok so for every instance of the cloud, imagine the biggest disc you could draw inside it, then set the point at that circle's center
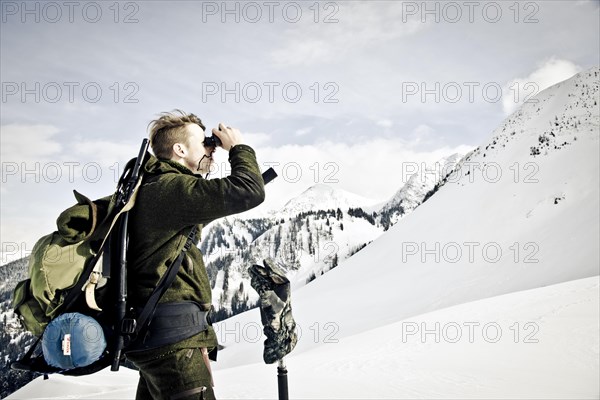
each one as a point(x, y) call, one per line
point(423, 131)
point(304, 131)
point(385, 123)
point(344, 28)
point(257, 139)
point(28, 143)
point(550, 72)
point(104, 152)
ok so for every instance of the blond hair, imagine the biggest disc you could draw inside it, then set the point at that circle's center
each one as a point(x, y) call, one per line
point(169, 129)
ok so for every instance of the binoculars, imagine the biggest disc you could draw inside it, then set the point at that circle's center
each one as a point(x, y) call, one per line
point(212, 141)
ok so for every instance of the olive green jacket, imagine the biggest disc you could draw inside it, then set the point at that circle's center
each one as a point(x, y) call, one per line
point(169, 203)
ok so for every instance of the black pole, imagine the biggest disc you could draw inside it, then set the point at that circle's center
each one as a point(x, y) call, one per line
point(122, 292)
point(282, 381)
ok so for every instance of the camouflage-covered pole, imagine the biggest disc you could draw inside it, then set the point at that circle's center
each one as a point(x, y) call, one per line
point(276, 315)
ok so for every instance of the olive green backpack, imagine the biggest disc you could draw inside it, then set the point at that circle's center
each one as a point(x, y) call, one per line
point(80, 268)
point(58, 260)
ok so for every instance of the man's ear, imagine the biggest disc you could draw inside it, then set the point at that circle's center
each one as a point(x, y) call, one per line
point(179, 150)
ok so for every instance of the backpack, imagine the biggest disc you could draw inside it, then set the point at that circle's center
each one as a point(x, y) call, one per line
point(75, 300)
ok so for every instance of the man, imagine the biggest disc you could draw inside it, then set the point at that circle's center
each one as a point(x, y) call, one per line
point(173, 198)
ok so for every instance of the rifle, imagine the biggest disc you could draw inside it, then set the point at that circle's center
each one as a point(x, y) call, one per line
point(125, 191)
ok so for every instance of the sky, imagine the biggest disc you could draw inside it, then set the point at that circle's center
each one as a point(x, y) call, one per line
point(346, 93)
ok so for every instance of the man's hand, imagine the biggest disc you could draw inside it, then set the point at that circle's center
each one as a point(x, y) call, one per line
point(229, 136)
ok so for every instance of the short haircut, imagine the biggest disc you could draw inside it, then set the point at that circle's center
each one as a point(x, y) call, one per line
point(169, 129)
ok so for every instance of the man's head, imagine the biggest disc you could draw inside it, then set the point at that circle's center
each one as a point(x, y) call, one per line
point(179, 137)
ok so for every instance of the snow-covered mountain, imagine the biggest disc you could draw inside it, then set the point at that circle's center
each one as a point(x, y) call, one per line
point(508, 219)
point(415, 191)
point(13, 340)
point(488, 289)
point(324, 197)
point(309, 236)
point(500, 173)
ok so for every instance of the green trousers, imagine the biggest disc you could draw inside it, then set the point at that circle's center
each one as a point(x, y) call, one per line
point(182, 374)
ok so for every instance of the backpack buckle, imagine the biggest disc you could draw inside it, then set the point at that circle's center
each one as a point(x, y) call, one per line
point(128, 325)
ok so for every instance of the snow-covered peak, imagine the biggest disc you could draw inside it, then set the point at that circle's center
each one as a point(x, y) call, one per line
point(412, 194)
point(551, 119)
point(324, 197)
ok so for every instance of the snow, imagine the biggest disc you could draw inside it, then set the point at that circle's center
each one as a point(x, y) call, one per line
point(101, 385)
point(539, 343)
point(506, 253)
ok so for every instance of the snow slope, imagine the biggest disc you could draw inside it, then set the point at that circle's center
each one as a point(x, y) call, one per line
point(540, 343)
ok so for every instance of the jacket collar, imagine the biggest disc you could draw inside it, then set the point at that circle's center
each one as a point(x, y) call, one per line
point(162, 166)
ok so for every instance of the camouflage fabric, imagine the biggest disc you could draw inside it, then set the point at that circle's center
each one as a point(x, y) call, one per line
point(275, 310)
